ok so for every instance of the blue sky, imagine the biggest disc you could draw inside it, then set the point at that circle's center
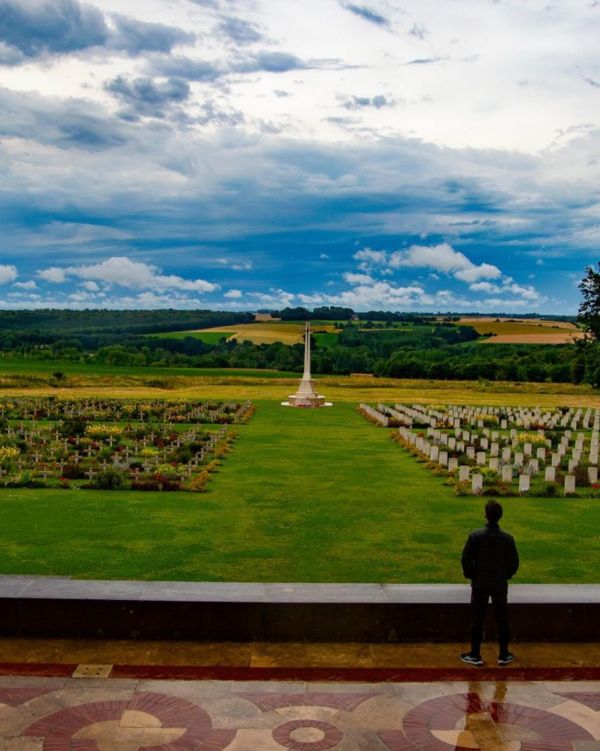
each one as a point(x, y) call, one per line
point(241, 154)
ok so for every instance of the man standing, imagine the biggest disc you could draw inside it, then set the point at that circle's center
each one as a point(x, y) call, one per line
point(489, 560)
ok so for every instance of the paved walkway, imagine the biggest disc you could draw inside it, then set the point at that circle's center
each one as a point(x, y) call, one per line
point(68, 696)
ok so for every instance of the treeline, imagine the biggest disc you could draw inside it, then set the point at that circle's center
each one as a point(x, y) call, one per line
point(123, 321)
point(396, 345)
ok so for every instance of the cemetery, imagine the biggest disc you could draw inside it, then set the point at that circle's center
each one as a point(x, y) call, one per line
point(112, 444)
point(500, 451)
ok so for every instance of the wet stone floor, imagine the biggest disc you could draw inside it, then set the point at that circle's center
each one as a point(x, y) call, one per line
point(99, 714)
point(78, 695)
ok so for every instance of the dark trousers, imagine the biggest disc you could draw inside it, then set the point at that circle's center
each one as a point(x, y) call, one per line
point(479, 603)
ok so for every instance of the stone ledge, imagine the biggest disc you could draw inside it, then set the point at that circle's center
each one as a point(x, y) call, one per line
point(64, 607)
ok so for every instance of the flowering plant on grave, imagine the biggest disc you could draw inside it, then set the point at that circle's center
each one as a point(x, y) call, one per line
point(8, 454)
point(534, 438)
point(490, 476)
point(148, 451)
point(488, 420)
point(103, 430)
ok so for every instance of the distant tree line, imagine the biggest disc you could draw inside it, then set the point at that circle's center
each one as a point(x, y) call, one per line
point(397, 345)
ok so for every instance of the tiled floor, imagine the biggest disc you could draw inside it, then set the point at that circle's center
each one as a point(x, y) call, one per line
point(76, 714)
point(67, 696)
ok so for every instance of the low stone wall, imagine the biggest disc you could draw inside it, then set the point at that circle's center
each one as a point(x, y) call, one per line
point(67, 608)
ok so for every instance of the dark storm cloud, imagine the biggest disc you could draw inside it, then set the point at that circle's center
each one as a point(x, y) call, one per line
point(71, 123)
point(186, 68)
point(270, 62)
point(37, 28)
point(362, 102)
point(136, 36)
point(368, 14)
point(145, 96)
point(239, 31)
point(59, 26)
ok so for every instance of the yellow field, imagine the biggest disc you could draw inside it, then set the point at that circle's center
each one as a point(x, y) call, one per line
point(267, 332)
point(524, 330)
point(335, 388)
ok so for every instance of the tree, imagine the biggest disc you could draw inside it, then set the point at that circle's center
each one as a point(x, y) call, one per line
point(589, 310)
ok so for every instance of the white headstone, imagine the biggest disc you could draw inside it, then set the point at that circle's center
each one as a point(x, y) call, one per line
point(477, 484)
point(569, 484)
point(593, 475)
point(463, 473)
point(524, 481)
point(507, 473)
point(550, 474)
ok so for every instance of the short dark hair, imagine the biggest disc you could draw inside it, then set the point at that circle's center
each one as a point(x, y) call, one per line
point(493, 511)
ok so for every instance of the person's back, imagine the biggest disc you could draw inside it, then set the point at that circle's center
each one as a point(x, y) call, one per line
point(489, 560)
point(490, 557)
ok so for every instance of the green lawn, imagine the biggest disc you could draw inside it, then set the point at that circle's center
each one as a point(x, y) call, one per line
point(306, 495)
point(11, 366)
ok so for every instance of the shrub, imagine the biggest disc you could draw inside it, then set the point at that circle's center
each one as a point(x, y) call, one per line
point(550, 490)
point(73, 472)
point(110, 479)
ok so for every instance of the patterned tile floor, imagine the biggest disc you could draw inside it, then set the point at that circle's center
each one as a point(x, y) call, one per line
point(59, 703)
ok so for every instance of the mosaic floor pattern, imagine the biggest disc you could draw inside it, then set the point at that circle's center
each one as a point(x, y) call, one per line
point(92, 714)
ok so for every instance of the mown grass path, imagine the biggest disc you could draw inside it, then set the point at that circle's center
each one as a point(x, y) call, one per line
point(306, 495)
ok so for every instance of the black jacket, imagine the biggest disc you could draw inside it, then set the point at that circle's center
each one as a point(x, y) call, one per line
point(490, 557)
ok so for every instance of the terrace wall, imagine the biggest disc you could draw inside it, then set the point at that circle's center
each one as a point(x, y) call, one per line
point(67, 608)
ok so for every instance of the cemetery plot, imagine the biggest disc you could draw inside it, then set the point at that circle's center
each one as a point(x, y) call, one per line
point(500, 451)
point(111, 444)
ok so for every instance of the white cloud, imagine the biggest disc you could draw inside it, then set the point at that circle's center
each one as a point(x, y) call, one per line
point(245, 266)
point(25, 285)
point(443, 258)
point(358, 278)
point(7, 274)
point(53, 274)
point(234, 294)
point(91, 286)
point(135, 274)
point(369, 258)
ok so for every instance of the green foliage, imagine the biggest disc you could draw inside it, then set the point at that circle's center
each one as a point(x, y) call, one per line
point(110, 479)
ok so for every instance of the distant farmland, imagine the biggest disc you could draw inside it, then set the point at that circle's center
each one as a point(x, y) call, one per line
point(264, 332)
point(524, 330)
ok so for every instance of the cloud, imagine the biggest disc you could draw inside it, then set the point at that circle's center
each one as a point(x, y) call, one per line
point(269, 62)
point(7, 274)
point(239, 31)
point(366, 13)
point(146, 96)
point(25, 285)
point(426, 60)
point(443, 258)
point(62, 123)
point(369, 258)
point(233, 294)
point(134, 37)
point(362, 102)
point(41, 27)
point(53, 274)
point(419, 31)
point(178, 66)
point(358, 278)
point(135, 274)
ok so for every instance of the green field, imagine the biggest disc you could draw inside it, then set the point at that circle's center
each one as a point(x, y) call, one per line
point(306, 495)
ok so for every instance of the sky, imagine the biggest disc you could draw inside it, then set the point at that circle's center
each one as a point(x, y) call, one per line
point(434, 155)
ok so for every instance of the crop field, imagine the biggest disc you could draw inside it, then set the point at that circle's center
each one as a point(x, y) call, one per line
point(304, 495)
point(260, 332)
point(524, 331)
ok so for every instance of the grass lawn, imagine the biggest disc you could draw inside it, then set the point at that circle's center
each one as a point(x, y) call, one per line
point(306, 495)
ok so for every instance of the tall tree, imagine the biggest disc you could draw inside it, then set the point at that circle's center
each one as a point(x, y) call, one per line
point(589, 310)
